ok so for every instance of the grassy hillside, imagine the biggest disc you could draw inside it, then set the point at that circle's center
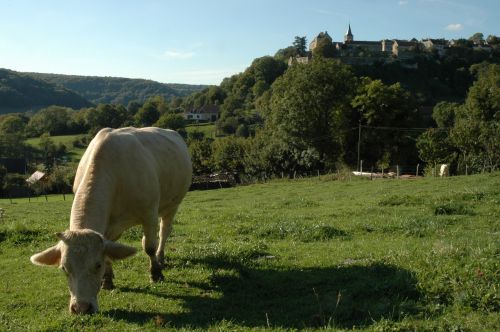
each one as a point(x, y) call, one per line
point(20, 92)
point(117, 90)
point(386, 255)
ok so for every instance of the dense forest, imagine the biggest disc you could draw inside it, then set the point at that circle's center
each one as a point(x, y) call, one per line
point(278, 119)
point(117, 90)
point(20, 92)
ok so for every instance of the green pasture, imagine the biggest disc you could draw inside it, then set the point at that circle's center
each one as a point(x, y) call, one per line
point(308, 254)
point(206, 128)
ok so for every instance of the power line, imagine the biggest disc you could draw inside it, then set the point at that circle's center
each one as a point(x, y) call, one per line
point(401, 128)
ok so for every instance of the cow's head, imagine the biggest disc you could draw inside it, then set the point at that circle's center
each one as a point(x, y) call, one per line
point(81, 255)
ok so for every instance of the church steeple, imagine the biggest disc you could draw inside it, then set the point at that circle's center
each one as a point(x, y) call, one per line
point(348, 37)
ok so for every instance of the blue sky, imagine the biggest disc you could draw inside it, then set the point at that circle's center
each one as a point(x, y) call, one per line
point(201, 42)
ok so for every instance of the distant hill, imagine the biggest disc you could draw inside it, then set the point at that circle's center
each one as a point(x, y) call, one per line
point(21, 92)
point(117, 90)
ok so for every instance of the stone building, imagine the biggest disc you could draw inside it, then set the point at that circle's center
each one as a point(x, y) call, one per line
point(353, 51)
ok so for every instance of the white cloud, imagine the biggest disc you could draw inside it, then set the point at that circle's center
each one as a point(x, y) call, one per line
point(454, 27)
point(403, 2)
point(179, 55)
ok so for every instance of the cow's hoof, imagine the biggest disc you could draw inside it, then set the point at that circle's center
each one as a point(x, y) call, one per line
point(107, 284)
point(157, 277)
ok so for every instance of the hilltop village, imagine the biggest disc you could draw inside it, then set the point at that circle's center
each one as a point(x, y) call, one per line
point(361, 52)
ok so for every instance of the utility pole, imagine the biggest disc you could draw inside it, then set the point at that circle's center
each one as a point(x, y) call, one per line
point(359, 144)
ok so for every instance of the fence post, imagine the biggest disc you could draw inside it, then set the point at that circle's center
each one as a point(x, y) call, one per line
point(418, 165)
point(361, 166)
point(397, 171)
point(371, 174)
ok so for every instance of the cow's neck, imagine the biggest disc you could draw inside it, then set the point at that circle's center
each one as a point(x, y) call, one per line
point(92, 203)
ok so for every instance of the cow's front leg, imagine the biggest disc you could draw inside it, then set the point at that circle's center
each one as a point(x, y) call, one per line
point(149, 244)
point(107, 280)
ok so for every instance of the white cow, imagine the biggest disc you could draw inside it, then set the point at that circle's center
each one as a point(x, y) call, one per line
point(126, 177)
point(444, 170)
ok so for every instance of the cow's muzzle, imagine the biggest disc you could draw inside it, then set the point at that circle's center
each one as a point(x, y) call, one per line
point(82, 308)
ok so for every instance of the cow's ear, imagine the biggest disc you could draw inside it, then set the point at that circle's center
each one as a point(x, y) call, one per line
point(51, 256)
point(115, 250)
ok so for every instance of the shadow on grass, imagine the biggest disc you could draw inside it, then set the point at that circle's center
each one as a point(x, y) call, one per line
point(344, 296)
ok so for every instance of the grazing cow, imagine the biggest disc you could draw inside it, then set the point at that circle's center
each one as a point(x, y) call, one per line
point(444, 170)
point(126, 177)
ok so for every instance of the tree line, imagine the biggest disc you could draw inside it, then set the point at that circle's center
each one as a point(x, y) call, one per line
point(276, 119)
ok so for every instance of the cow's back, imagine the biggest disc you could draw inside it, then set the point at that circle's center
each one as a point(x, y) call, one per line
point(137, 169)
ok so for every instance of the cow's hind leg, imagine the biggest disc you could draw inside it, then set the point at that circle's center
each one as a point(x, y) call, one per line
point(149, 244)
point(107, 280)
point(167, 220)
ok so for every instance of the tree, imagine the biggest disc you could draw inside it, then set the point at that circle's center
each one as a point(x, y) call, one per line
point(107, 115)
point(309, 106)
point(147, 115)
point(434, 146)
point(228, 154)
point(132, 107)
point(444, 114)
point(201, 155)
point(171, 121)
point(53, 120)
point(493, 40)
point(12, 136)
point(381, 105)
point(324, 48)
point(483, 99)
point(300, 45)
point(285, 53)
point(477, 38)
point(50, 151)
point(12, 124)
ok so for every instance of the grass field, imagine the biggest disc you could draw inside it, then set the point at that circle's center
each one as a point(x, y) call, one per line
point(385, 255)
point(207, 128)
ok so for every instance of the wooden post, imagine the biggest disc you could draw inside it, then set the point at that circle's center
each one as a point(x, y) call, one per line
point(466, 170)
point(371, 174)
point(319, 178)
point(359, 146)
point(418, 165)
point(361, 166)
point(397, 171)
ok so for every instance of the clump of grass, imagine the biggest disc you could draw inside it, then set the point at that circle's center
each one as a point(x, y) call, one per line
point(453, 208)
point(218, 254)
point(19, 233)
point(300, 231)
point(473, 195)
point(300, 202)
point(396, 200)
